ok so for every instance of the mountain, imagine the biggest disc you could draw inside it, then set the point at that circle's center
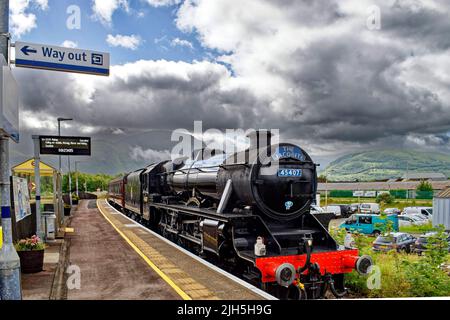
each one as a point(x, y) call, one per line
point(386, 164)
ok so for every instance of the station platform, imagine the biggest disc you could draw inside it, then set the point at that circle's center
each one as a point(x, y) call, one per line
point(117, 258)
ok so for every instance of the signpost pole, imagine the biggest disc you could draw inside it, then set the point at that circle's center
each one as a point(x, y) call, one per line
point(76, 179)
point(70, 184)
point(37, 181)
point(9, 260)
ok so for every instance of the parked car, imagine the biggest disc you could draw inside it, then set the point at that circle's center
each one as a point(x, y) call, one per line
point(399, 241)
point(335, 209)
point(418, 218)
point(425, 211)
point(369, 208)
point(341, 210)
point(421, 244)
point(405, 221)
point(392, 211)
point(370, 223)
point(355, 207)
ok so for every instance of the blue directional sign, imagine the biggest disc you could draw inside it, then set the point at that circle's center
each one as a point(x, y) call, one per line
point(40, 56)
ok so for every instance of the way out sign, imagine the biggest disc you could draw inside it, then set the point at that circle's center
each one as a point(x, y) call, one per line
point(40, 56)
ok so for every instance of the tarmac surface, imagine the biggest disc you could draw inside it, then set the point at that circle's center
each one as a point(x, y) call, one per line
point(109, 267)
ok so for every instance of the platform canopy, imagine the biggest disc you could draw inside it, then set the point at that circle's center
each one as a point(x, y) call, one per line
point(27, 168)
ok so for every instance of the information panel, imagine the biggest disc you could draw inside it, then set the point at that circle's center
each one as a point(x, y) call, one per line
point(72, 146)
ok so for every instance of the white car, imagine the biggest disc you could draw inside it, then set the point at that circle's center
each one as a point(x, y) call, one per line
point(418, 218)
point(407, 221)
point(424, 211)
point(335, 209)
point(392, 211)
point(369, 208)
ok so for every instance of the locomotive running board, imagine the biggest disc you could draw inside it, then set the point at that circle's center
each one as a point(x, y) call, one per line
point(223, 217)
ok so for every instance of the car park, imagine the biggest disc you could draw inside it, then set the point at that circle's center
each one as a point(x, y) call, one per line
point(400, 241)
point(370, 223)
point(421, 244)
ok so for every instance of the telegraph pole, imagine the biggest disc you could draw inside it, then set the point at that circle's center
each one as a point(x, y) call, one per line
point(9, 260)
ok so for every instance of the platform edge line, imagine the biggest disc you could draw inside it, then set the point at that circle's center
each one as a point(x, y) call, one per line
point(224, 273)
point(169, 281)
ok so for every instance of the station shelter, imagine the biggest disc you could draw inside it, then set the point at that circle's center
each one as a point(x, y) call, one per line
point(53, 203)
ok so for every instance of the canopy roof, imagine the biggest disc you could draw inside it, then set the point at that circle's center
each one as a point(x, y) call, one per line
point(27, 167)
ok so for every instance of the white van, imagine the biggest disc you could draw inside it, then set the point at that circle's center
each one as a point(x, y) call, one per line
point(335, 209)
point(369, 208)
point(424, 211)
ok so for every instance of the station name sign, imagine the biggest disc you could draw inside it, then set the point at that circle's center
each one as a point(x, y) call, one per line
point(72, 146)
point(40, 56)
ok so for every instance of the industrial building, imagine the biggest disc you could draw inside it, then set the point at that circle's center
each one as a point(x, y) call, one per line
point(441, 209)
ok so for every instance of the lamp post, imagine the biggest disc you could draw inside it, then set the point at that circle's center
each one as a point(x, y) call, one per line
point(61, 207)
point(76, 178)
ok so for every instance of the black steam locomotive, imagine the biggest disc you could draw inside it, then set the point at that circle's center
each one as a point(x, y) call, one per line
point(248, 212)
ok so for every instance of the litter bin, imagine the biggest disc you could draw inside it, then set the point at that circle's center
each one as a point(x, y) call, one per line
point(50, 224)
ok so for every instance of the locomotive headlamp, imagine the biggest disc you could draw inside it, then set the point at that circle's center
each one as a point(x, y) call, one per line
point(285, 274)
point(310, 242)
point(363, 264)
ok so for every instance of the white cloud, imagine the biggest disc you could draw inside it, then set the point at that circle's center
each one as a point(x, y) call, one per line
point(182, 43)
point(21, 20)
point(104, 9)
point(163, 3)
point(130, 42)
point(69, 44)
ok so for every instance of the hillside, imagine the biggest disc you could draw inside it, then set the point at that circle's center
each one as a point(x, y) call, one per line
point(385, 164)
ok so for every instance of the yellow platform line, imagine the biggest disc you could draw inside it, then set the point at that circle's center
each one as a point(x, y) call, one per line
point(169, 281)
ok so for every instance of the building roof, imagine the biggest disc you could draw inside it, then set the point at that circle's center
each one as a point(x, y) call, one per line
point(424, 176)
point(27, 168)
point(444, 194)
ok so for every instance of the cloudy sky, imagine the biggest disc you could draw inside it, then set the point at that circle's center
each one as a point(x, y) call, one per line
point(335, 76)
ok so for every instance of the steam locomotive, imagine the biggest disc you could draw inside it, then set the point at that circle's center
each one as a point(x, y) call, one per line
point(248, 212)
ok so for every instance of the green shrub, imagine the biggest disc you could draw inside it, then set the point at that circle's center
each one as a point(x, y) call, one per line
point(385, 198)
point(424, 186)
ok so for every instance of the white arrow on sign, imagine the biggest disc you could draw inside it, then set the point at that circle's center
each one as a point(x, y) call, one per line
point(41, 56)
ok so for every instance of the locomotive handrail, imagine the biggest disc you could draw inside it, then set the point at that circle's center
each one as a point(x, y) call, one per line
point(186, 171)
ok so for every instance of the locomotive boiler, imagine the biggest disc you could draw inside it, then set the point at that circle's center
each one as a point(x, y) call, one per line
point(248, 212)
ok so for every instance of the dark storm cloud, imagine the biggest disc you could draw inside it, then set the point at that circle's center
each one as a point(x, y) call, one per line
point(344, 85)
point(144, 99)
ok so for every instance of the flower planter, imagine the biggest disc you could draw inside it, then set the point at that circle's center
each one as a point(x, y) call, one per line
point(31, 261)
